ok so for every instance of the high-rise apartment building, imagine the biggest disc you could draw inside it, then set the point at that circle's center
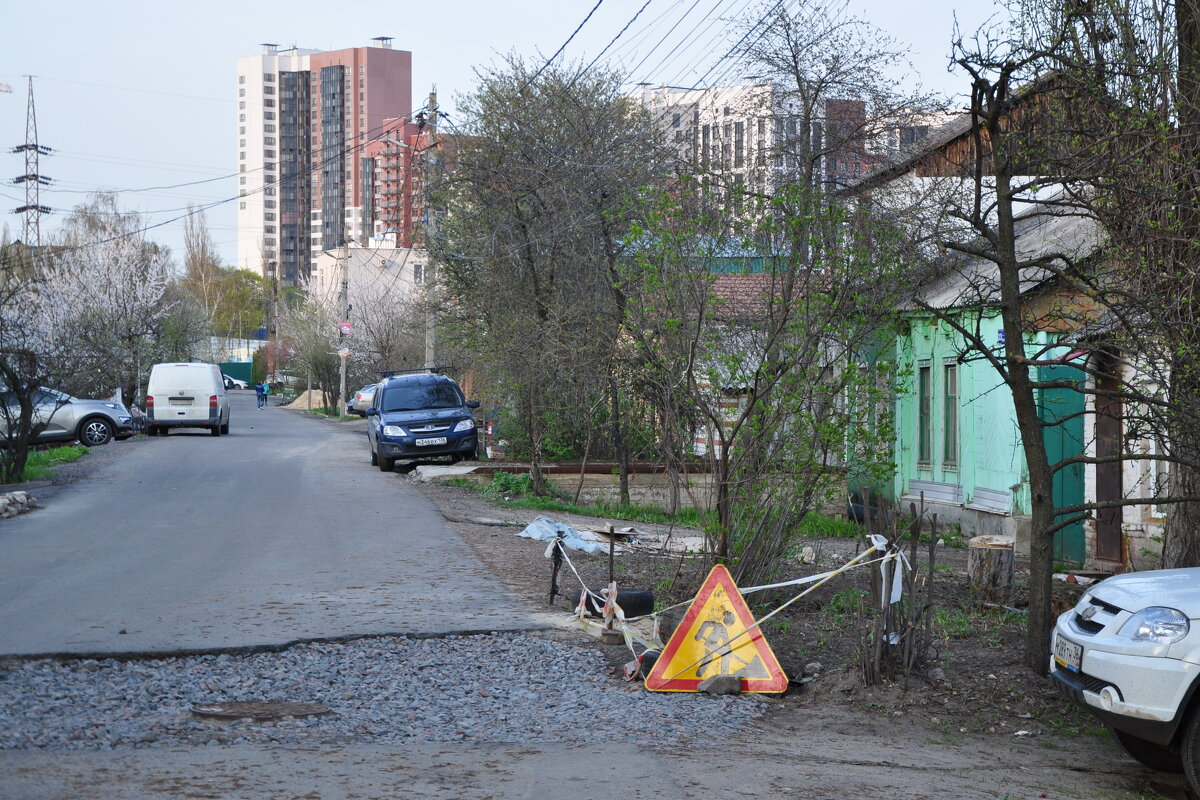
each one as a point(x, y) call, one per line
point(305, 118)
point(756, 136)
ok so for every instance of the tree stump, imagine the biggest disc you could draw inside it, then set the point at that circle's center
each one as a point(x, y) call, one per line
point(990, 569)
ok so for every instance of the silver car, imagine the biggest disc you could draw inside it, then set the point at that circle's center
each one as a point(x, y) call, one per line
point(361, 401)
point(66, 418)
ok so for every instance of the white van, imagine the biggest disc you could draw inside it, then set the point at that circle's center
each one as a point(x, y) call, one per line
point(186, 395)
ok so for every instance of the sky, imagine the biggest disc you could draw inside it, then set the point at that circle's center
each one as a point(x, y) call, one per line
point(140, 97)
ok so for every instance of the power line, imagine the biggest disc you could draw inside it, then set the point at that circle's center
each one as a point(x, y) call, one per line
point(550, 60)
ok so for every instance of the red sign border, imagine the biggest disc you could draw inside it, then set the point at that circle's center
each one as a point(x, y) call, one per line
point(718, 576)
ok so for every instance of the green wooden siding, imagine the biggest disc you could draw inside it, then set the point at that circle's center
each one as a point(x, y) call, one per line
point(972, 438)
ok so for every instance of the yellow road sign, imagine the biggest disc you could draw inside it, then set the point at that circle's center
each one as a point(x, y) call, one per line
point(713, 640)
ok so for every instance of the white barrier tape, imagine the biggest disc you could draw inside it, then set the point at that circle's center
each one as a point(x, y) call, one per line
point(812, 578)
point(728, 646)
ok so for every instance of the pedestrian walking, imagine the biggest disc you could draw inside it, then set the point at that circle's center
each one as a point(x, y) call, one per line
point(260, 393)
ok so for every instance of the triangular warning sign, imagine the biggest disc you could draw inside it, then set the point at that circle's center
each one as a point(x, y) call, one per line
point(712, 640)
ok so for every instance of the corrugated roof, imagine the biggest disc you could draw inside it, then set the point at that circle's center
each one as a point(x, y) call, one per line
point(1062, 235)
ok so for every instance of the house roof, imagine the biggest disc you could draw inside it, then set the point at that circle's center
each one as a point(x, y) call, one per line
point(939, 139)
point(742, 296)
point(1055, 235)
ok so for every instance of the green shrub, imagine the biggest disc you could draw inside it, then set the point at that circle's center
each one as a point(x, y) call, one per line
point(507, 485)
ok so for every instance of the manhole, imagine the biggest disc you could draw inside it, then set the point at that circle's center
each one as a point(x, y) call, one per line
point(259, 709)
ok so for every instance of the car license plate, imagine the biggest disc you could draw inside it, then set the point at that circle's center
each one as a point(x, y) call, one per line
point(430, 441)
point(1067, 655)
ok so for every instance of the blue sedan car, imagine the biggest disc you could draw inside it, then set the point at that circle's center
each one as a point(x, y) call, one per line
point(420, 416)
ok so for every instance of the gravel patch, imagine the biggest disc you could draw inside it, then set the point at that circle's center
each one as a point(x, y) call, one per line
point(483, 688)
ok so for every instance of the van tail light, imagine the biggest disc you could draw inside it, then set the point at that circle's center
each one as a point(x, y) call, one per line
point(212, 401)
point(149, 401)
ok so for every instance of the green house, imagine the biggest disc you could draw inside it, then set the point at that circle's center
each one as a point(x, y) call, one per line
point(957, 441)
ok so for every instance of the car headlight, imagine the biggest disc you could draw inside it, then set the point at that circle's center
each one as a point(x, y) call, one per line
point(393, 430)
point(1156, 624)
point(465, 425)
point(114, 406)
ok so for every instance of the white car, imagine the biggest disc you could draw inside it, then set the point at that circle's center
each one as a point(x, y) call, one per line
point(233, 383)
point(1129, 652)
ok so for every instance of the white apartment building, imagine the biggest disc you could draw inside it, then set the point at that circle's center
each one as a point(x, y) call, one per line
point(260, 79)
point(304, 120)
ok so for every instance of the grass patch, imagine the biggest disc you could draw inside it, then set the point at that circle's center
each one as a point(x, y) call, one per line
point(516, 491)
point(817, 526)
point(333, 413)
point(955, 623)
point(41, 463)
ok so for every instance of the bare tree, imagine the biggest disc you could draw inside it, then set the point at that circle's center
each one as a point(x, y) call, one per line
point(1134, 69)
point(532, 239)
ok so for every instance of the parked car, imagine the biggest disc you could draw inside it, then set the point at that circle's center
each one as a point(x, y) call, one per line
point(360, 401)
point(186, 395)
point(67, 418)
point(233, 383)
point(419, 415)
point(1129, 652)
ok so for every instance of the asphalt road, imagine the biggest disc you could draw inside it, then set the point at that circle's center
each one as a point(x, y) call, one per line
point(278, 532)
point(283, 531)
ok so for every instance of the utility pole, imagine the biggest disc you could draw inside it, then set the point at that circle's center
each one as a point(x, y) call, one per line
point(430, 234)
point(33, 179)
point(270, 300)
point(344, 307)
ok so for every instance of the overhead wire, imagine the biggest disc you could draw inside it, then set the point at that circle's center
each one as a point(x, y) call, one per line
point(558, 52)
point(368, 138)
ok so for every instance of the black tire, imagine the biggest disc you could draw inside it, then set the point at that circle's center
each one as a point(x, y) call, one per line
point(385, 463)
point(215, 430)
point(225, 428)
point(374, 458)
point(1190, 754)
point(95, 431)
point(1154, 756)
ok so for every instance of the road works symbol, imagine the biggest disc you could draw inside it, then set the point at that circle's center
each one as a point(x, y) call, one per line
point(712, 640)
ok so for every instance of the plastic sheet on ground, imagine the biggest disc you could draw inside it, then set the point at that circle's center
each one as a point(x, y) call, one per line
point(545, 529)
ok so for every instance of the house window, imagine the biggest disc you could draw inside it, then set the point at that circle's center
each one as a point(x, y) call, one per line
point(739, 144)
point(950, 415)
point(924, 418)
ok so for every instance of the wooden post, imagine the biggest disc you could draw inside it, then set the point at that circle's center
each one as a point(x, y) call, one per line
point(990, 569)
